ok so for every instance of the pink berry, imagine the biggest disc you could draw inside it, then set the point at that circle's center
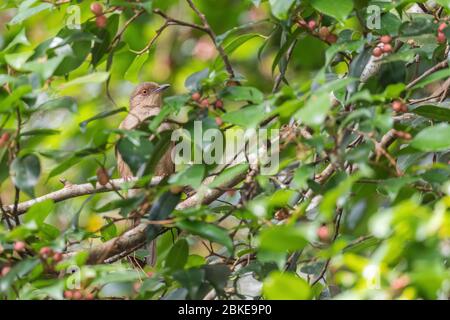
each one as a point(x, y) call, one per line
point(377, 52)
point(19, 246)
point(97, 9)
point(387, 48)
point(101, 21)
point(441, 38)
point(323, 233)
point(5, 270)
point(386, 39)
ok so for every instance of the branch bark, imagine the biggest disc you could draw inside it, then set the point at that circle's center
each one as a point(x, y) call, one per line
point(136, 237)
point(76, 190)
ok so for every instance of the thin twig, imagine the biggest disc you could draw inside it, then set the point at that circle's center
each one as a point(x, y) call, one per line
point(212, 35)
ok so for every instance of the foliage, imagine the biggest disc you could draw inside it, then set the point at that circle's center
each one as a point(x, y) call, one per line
point(359, 207)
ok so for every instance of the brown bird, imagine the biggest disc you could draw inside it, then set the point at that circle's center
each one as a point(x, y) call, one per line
point(146, 102)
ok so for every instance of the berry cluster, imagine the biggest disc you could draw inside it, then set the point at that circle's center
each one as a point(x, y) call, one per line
point(46, 254)
point(100, 18)
point(321, 32)
point(384, 46)
point(78, 295)
point(441, 38)
point(204, 103)
point(399, 106)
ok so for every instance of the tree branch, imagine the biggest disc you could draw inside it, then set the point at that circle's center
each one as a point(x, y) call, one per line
point(136, 237)
point(76, 190)
point(212, 35)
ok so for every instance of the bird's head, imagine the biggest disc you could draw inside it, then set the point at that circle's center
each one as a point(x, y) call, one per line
point(147, 94)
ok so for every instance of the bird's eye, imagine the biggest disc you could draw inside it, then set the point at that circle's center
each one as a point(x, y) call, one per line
point(144, 91)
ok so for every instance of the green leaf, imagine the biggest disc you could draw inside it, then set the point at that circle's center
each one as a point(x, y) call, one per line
point(233, 46)
point(191, 280)
point(340, 10)
point(20, 38)
point(240, 93)
point(336, 196)
point(14, 97)
point(191, 176)
point(40, 132)
point(101, 115)
point(441, 74)
point(207, 231)
point(44, 68)
point(280, 8)
point(63, 166)
point(25, 13)
point(248, 117)
point(285, 238)
point(315, 110)
point(126, 205)
point(193, 82)
point(132, 72)
point(17, 60)
point(228, 175)
point(417, 26)
point(434, 138)
point(96, 77)
point(285, 286)
point(178, 255)
point(433, 112)
point(39, 211)
point(61, 102)
point(109, 231)
point(25, 172)
point(136, 156)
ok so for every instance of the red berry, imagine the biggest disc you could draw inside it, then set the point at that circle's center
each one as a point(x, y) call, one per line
point(57, 257)
point(386, 39)
point(312, 24)
point(97, 9)
point(68, 294)
point(196, 96)
point(4, 139)
point(46, 252)
point(332, 38)
point(442, 26)
point(77, 295)
point(377, 52)
point(387, 48)
point(101, 21)
point(137, 286)
point(400, 283)
point(219, 121)
point(323, 233)
point(5, 270)
point(19, 246)
point(324, 32)
point(218, 104)
point(204, 103)
point(441, 38)
point(399, 106)
point(89, 296)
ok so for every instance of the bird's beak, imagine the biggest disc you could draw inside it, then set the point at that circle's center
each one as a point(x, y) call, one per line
point(162, 87)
